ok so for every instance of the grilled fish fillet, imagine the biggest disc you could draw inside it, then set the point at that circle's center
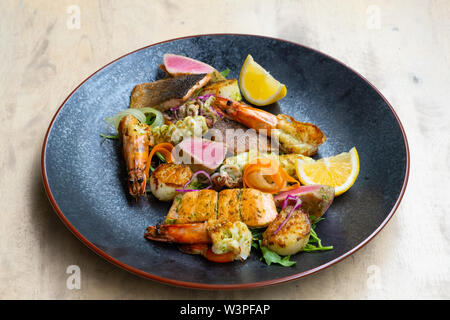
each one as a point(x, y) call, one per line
point(257, 208)
point(253, 207)
point(228, 206)
point(166, 93)
point(195, 206)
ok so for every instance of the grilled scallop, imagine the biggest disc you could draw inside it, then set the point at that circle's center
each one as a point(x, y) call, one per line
point(167, 178)
point(292, 236)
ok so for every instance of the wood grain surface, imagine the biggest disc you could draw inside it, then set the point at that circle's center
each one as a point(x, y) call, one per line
point(402, 47)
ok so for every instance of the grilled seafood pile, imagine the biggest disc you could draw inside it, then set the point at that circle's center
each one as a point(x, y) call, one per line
point(216, 240)
point(294, 136)
point(217, 205)
point(221, 219)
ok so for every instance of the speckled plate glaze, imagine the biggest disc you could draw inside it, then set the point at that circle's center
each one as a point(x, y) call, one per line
point(86, 180)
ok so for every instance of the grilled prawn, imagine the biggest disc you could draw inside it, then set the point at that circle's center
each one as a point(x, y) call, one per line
point(294, 136)
point(216, 240)
point(135, 145)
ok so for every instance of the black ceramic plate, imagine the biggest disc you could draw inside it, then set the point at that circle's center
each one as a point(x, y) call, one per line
point(86, 179)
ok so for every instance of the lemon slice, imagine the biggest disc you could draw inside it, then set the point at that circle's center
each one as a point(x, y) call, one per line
point(339, 171)
point(258, 86)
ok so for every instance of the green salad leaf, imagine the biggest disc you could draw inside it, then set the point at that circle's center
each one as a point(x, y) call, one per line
point(225, 72)
point(160, 157)
point(315, 243)
point(272, 257)
point(109, 137)
point(268, 255)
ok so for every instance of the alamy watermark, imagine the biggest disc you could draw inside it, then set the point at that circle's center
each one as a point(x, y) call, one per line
point(74, 279)
point(73, 22)
point(373, 17)
point(373, 281)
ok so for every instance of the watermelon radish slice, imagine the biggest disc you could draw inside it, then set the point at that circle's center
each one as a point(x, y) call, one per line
point(177, 65)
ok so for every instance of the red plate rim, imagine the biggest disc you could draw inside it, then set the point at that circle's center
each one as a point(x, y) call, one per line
point(220, 286)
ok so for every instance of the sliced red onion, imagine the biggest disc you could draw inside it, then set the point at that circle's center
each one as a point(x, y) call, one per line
point(285, 202)
point(190, 190)
point(295, 207)
point(216, 111)
point(299, 190)
point(174, 111)
point(205, 97)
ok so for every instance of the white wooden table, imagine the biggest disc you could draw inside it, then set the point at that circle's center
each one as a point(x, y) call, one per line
point(402, 47)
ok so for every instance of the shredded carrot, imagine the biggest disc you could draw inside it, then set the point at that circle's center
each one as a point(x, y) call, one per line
point(256, 176)
point(290, 179)
point(165, 149)
point(255, 173)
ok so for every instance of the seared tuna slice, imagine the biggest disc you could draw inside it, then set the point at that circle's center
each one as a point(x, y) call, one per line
point(200, 154)
point(316, 199)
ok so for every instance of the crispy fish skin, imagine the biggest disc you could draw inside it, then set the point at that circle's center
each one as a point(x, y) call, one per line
point(166, 93)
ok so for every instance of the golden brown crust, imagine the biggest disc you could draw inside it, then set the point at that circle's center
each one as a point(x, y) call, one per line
point(292, 236)
point(229, 205)
point(196, 206)
point(253, 207)
point(257, 208)
point(171, 174)
point(299, 137)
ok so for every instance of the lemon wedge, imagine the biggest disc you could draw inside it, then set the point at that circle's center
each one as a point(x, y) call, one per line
point(258, 86)
point(339, 171)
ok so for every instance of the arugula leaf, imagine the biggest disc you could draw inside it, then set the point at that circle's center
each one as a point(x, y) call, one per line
point(268, 255)
point(310, 248)
point(272, 257)
point(257, 234)
point(314, 239)
point(105, 136)
point(160, 157)
point(315, 220)
point(225, 72)
point(195, 184)
point(150, 118)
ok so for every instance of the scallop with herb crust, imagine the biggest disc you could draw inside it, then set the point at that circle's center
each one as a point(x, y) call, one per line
point(290, 236)
point(167, 178)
